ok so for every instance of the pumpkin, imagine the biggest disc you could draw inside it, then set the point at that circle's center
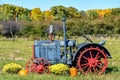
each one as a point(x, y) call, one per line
point(23, 72)
point(73, 71)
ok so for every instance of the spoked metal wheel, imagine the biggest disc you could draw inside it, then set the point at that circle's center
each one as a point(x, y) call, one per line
point(92, 60)
point(38, 65)
point(30, 65)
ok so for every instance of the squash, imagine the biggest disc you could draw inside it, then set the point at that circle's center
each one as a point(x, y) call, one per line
point(23, 72)
point(73, 71)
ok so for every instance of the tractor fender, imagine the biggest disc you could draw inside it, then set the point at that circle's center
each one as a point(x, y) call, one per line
point(81, 47)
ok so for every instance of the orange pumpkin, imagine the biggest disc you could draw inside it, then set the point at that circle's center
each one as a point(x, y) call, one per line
point(73, 72)
point(23, 72)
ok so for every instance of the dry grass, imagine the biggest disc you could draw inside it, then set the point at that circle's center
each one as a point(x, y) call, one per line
point(21, 50)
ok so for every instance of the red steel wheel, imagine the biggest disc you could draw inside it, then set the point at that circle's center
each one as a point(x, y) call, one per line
point(43, 65)
point(37, 65)
point(30, 65)
point(92, 60)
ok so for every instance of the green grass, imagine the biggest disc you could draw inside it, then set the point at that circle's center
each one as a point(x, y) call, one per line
point(109, 76)
point(21, 50)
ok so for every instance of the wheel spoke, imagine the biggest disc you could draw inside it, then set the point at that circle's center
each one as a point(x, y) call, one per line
point(91, 70)
point(91, 54)
point(94, 69)
point(99, 61)
point(85, 66)
point(97, 70)
point(88, 70)
point(85, 61)
point(96, 55)
point(99, 66)
point(85, 58)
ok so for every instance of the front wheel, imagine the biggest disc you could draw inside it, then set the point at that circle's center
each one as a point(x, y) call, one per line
point(38, 65)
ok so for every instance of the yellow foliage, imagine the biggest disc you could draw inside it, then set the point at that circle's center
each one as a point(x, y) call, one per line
point(48, 15)
point(102, 13)
point(36, 14)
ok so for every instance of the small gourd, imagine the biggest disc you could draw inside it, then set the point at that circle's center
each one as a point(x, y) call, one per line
point(73, 71)
point(23, 72)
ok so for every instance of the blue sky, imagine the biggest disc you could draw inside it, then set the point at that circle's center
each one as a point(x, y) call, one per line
point(79, 4)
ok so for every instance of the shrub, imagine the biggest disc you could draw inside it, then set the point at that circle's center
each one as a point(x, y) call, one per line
point(11, 68)
point(59, 69)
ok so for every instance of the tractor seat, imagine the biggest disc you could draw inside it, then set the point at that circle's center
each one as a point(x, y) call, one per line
point(69, 43)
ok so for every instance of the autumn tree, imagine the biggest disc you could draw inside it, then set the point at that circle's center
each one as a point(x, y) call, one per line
point(22, 13)
point(103, 12)
point(36, 14)
point(48, 15)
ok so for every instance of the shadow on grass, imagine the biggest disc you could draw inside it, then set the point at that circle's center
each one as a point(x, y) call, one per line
point(112, 69)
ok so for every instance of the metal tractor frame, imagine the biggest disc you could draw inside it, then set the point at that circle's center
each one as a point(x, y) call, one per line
point(88, 57)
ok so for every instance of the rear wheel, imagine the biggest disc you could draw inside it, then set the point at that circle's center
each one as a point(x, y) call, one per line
point(92, 60)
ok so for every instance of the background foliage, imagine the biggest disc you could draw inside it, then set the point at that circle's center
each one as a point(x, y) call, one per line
point(23, 22)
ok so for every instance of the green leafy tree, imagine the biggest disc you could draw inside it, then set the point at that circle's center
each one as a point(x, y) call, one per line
point(80, 14)
point(115, 11)
point(11, 12)
point(58, 11)
point(91, 14)
point(71, 12)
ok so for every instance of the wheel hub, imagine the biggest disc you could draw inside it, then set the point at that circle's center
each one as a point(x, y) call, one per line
point(92, 62)
point(40, 68)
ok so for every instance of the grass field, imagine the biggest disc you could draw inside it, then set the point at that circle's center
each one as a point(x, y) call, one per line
point(21, 50)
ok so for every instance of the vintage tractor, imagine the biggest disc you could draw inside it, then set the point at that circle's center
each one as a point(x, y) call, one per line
point(88, 57)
